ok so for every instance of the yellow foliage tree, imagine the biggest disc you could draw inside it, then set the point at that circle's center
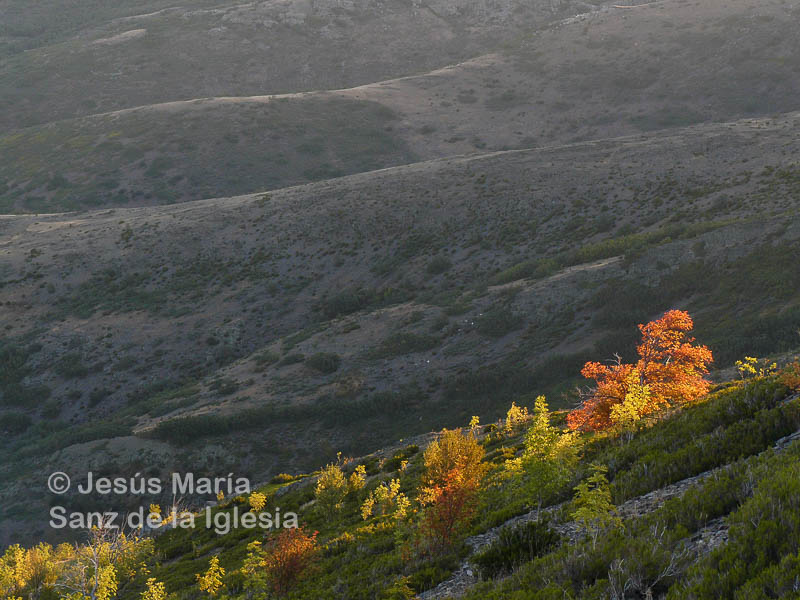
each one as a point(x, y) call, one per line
point(257, 501)
point(357, 479)
point(516, 416)
point(638, 398)
point(385, 499)
point(210, 582)
point(154, 590)
point(331, 490)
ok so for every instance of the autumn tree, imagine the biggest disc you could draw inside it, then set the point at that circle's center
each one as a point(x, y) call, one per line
point(154, 590)
point(670, 367)
point(357, 479)
point(384, 500)
point(626, 414)
point(210, 582)
point(790, 376)
point(450, 486)
point(282, 563)
point(104, 566)
point(257, 501)
point(331, 491)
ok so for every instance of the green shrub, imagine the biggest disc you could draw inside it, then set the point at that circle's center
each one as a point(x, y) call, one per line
point(70, 366)
point(324, 362)
point(405, 342)
point(498, 322)
point(439, 265)
point(515, 546)
point(14, 423)
point(292, 359)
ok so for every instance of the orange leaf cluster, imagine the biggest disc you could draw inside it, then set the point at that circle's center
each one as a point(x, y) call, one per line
point(451, 484)
point(790, 377)
point(288, 556)
point(453, 506)
point(669, 363)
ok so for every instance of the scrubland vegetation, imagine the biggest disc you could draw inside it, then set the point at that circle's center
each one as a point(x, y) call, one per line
point(538, 509)
point(300, 231)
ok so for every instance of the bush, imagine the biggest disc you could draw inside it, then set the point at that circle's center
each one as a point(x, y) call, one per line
point(70, 366)
point(439, 265)
point(405, 343)
point(324, 362)
point(499, 322)
point(516, 546)
point(291, 359)
point(14, 423)
point(282, 478)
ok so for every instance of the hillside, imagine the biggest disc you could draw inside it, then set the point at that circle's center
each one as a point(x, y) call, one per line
point(321, 314)
point(297, 241)
point(606, 73)
point(59, 63)
point(702, 503)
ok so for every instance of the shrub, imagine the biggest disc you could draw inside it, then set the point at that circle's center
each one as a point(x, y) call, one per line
point(70, 366)
point(324, 362)
point(790, 377)
point(515, 546)
point(14, 423)
point(439, 265)
point(282, 564)
point(291, 359)
point(401, 343)
point(282, 478)
point(498, 322)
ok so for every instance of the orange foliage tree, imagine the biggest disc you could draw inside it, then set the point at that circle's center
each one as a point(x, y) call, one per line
point(282, 563)
point(451, 485)
point(790, 376)
point(670, 365)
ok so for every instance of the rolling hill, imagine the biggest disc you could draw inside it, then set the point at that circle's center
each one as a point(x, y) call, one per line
point(606, 73)
point(337, 315)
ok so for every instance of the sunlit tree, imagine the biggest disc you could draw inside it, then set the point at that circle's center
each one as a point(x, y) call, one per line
point(670, 365)
point(210, 582)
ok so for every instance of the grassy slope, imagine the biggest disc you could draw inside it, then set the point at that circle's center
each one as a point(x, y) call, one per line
point(728, 431)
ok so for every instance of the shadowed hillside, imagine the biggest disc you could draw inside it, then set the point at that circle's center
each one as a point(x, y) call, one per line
point(339, 314)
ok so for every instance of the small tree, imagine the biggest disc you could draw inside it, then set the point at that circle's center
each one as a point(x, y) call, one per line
point(451, 483)
point(282, 564)
point(357, 479)
point(210, 582)
point(548, 457)
point(384, 500)
point(669, 364)
point(154, 590)
point(102, 567)
point(516, 416)
point(592, 506)
point(331, 491)
point(630, 411)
